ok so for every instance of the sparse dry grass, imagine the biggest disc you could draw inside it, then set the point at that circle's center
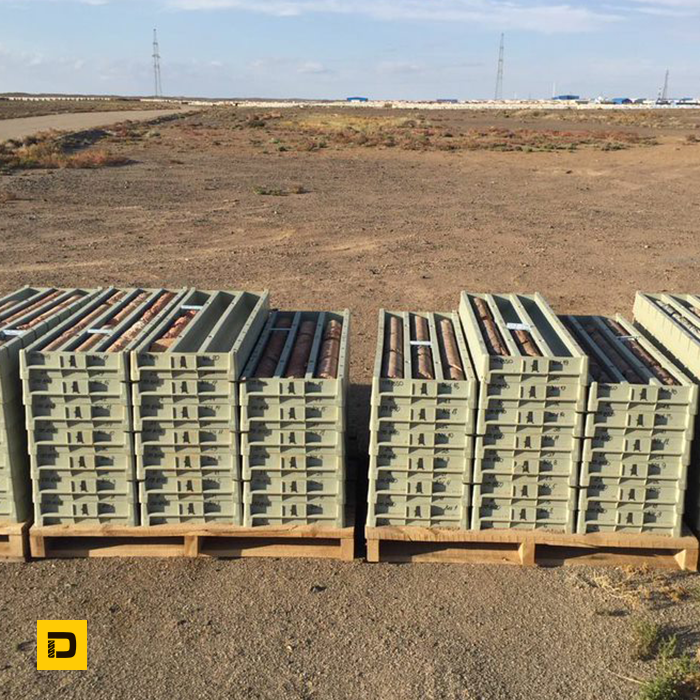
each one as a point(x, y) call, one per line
point(48, 151)
point(340, 122)
point(319, 130)
point(676, 675)
point(641, 118)
point(674, 679)
point(647, 638)
point(638, 588)
point(316, 130)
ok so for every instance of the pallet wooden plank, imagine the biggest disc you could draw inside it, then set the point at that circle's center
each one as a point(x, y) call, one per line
point(217, 530)
point(347, 549)
point(687, 559)
point(424, 534)
point(191, 546)
point(373, 551)
point(191, 541)
point(526, 552)
point(539, 547)
point(599, 539)
point(618, 539)
point(14, 541)
point(37, 545)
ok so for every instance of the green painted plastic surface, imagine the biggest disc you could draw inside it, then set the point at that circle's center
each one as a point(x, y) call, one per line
point(523, 513)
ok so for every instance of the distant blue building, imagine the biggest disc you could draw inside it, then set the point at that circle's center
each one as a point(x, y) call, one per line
point(567, 97)
point(447, 101)
point(621, 101)
point(358, 99)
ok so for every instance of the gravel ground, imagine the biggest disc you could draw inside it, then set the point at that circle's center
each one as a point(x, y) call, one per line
point(377, 227)
point(321, 630)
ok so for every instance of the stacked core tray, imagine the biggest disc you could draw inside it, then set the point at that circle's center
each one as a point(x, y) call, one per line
point(293, 404)
point(672, 323)
point(185, 375)
point(78, 402)
point(530, 415)
point(422, 422)
point(639, 428)
point(24, 316)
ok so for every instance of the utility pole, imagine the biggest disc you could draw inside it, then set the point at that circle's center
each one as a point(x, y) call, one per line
point(156, 66)
point(499, 75)
point(664, 91)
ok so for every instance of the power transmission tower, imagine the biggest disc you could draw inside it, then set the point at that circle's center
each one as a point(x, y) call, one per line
point(664, 91)
point(499, 75)
point(156, 66)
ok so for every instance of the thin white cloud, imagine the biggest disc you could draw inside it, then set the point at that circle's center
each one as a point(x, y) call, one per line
point(75, 2)
point(673, 9)
point(668, 13)
point(399, 68)
point(688, 4)
point(266, 64)
point(542, 16)
point(278, 65)
point(312, 68)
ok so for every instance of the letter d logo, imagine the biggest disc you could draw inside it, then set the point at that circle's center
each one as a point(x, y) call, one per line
point(61, 645)
point(72, 645)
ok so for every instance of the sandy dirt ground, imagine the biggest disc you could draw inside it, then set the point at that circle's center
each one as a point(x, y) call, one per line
point(212, 201)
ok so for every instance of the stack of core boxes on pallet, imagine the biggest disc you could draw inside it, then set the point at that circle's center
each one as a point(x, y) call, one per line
point(24, 316)
point(529, 421)
point(639, 428)
point(185, 374)
point(424, 394)
point(672, 323)
point(293, 404)
point(78, 404)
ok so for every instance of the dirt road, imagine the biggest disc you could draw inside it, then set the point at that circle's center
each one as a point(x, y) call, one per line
point(21, 128)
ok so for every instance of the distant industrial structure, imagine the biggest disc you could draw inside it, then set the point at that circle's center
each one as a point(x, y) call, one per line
point(158, 92)
point(663, 92)
point(582, 103)
point(499, 74)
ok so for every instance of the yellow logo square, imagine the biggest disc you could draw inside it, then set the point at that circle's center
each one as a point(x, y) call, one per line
point(61, 645)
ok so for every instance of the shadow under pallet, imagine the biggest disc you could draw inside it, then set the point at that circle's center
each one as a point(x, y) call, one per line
point(530, 548)
point(224, 541)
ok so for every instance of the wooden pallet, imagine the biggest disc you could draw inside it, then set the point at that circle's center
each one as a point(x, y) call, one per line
point(13, 541)
point(66, 541)
point(538, 548)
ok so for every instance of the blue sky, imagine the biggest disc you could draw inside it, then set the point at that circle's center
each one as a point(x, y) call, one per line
point(402, 49)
